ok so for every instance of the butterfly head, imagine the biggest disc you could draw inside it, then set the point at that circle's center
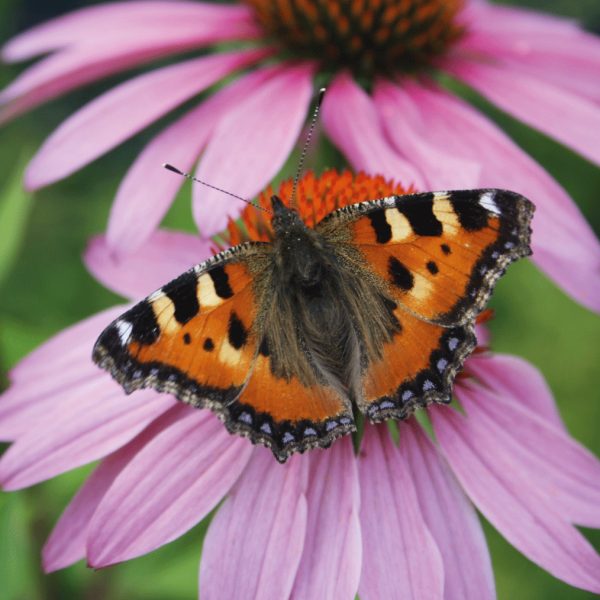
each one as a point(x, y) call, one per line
point(301, 255)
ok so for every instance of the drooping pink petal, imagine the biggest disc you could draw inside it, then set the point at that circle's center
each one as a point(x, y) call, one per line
point(166, 255)
point(559, 113)
point(512, 503)
point(517, 381)
point(400, 556)
point(568, 57)
point(564, 245)
point(123, 111)
point(492, 19)
point(407, 130)
point(351, 121)
point(120, 18)
point(27, 405)
point(450, 517)
point(63, 348)
point(254, 544)
point(67, 542)
point(96, 58)
point(551, 461)
point(331, 561)
point(147, 191)
point(167, 488)
point(57, 373)
point(89, 428)
point(250, 144)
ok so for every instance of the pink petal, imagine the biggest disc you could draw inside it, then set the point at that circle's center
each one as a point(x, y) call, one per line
point(482, 333)
point(407, 131)
point(450, 517)
point(511, 502)
point(31, 404)
point(559, 113)
point(331, 561)
point(67, 541)
point(351, 121)
point(518, 381)
point(54, 375)
point(167, 488)
point(120, 18)
point(548, 457)
point(491, 19)
point(564, 244)
point(96, 58)
point(166, 255)
point(63, 348)
point(147, 191)
point(570, 58)
point(250, 145)
point(89, 428)
point(123, 111)
point(400, 556)
point(254, 544)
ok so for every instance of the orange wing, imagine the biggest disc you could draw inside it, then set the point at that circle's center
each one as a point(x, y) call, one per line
point(441, 253)
point(416, 368)
point(199, 338)
point(438, 255)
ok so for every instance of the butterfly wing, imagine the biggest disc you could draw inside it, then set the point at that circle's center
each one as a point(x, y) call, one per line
point(201, 338)
point(437, 256)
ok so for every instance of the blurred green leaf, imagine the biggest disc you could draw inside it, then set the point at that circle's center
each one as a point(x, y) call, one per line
point(18, 568)
point(15, 206)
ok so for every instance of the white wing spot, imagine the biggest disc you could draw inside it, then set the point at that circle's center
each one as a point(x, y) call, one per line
point(124, 328)
point(487, 201)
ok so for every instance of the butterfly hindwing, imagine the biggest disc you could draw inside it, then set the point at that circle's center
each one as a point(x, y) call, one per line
point(437, 256)
point(200, 338)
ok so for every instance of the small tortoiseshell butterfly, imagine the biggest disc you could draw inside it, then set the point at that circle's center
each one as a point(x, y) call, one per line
point(373, 308)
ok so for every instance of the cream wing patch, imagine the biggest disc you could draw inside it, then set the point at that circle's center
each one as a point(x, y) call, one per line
point(207, 294)
point(399, 224)
point(164, 311)
point(445, 214)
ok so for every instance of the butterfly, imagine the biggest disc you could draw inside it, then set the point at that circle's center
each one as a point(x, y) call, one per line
point(372, 310)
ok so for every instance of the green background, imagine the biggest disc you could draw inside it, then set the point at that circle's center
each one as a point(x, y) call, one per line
point(44, 288)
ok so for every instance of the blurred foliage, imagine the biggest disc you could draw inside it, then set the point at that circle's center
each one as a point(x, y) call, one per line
point(44, 288)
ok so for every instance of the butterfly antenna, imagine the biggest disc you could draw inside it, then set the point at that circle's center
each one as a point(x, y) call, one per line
point(311, 128)
point(214, 187)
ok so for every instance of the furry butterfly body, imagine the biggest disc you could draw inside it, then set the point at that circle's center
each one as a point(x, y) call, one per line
point(373, 309)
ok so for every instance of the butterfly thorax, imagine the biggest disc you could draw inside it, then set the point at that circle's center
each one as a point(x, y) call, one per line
point(309, 312)
point(302, 257)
